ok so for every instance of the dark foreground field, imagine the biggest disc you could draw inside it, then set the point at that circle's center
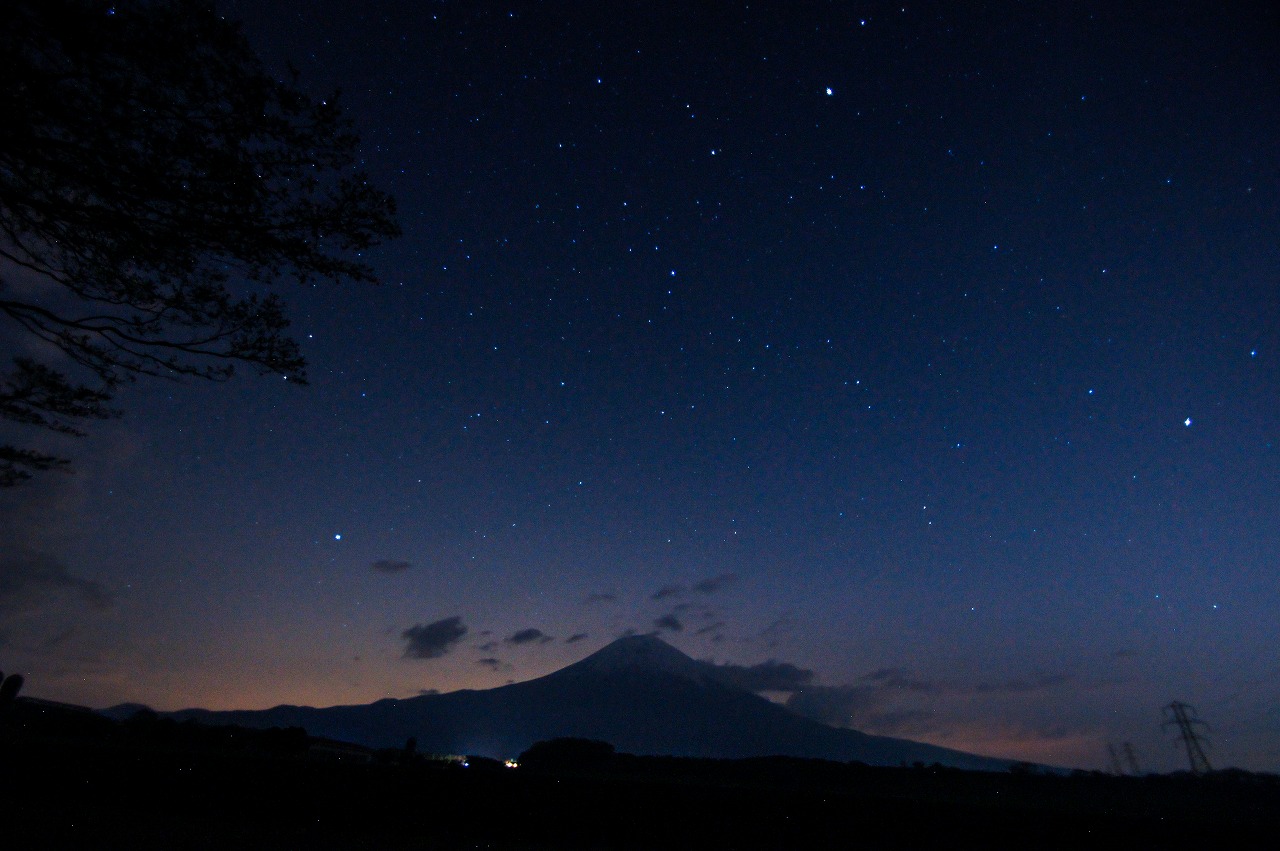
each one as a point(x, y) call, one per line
point(110, 785)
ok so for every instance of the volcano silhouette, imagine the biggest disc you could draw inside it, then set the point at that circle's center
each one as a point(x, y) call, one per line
point(639, 693)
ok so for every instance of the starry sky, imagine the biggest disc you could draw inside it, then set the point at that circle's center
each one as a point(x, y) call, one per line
point(931, 349)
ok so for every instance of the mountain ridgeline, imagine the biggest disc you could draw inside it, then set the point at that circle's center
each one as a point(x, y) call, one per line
point(639, 693)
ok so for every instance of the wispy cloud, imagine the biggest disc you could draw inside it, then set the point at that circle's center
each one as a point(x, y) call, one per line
point(842, 706)
point(1019, 686)
point(668, 622)
point(432, 640)
point(715, 583)
point(766, 676)
point(526, 636)
point(28, 579)
point(896, 678)
point(890, 701)
point(388, 565)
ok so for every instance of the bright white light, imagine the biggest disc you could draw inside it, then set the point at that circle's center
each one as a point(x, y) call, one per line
point(1187, 421)
point(337, 537)
point(829, 92)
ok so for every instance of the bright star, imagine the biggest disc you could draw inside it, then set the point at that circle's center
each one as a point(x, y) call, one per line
point(1187, 421)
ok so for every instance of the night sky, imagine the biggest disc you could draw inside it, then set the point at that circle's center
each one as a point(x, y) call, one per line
point(931, 348)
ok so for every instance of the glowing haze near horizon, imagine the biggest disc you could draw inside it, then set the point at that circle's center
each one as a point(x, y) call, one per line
point(928, 347)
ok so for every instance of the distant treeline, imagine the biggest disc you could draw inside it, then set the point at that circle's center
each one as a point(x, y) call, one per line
point(38, 720)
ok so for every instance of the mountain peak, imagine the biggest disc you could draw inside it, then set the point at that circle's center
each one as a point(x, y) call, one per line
point(638, 693)
point(641, 652)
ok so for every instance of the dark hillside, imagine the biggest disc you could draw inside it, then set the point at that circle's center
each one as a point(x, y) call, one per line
point(159, 784)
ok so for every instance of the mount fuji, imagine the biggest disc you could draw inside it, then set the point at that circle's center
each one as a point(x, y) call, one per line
point(639, 693)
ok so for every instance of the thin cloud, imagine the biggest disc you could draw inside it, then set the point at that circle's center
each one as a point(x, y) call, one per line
point(388, 565)
point(602, 597)
point(766, 676)
point(27, 579)
point(1018, 686)
point(896, 678)
point(575, 638)
point(887, 700)
point(668, 622)
point(490, 662)
point(666, 591)
point(58, 640)
point(433, 640)
point(715, 583)
point(779, 628)
point(871, 708)
point(525, 636)
point(841, 706)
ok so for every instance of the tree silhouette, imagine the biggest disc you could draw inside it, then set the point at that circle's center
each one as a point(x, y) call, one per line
point(155, 183)
point(567, 752)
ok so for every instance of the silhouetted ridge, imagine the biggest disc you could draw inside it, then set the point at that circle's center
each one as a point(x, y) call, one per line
point(639, 694)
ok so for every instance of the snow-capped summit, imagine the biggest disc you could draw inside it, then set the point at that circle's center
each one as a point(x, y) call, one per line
point(646, 653)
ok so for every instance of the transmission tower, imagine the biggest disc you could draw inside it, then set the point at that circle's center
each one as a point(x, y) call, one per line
point(1184, 718)
point(1132, 759)
point(1116, 768)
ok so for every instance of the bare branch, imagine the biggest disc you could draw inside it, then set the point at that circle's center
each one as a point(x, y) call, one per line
point(146, 158)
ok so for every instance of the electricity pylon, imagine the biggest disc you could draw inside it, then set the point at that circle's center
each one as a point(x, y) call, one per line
point(1132, 758)
point(1184, 717)
point(1116, 768)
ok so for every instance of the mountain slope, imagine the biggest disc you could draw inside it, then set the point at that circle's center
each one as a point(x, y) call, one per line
point(639, 694)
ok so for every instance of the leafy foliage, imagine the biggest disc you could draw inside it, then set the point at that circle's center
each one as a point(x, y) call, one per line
point(155, 182)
